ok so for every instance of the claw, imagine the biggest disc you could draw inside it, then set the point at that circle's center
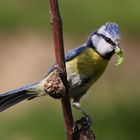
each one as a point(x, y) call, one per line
point(82, 124)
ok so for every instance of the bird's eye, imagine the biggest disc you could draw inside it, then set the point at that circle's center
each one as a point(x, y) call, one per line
point(109, 41)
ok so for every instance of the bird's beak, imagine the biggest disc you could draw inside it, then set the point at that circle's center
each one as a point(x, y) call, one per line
point(120, 55)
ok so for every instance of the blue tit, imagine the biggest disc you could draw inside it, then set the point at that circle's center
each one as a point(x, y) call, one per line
point(84, 65)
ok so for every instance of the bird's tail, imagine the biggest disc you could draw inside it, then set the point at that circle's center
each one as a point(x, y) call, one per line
point(13, 97)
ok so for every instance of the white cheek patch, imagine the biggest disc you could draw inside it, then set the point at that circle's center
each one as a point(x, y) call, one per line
point(101, 45)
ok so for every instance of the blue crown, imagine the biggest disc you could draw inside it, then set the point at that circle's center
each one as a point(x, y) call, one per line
point(112, 29)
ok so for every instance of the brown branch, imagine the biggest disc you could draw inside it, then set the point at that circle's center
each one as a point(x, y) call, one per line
point(59, 54)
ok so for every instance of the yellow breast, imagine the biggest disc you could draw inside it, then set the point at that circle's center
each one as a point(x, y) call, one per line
point(87, 65)
point(88, 62)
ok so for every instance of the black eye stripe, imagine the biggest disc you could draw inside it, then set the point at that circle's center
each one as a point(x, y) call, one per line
point(106, 39)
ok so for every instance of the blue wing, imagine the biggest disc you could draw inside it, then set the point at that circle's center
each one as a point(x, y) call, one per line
point(73, 53)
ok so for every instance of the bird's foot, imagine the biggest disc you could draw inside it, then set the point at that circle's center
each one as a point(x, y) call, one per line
point(82, 124)
point(85, 120)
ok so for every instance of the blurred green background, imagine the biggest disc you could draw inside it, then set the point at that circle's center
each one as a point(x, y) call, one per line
point(26, 52)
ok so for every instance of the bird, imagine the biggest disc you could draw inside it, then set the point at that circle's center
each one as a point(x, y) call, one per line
point(84, 65)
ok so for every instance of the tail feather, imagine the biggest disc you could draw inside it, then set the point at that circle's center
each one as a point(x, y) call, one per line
point(8, 101)
point(13, 97)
